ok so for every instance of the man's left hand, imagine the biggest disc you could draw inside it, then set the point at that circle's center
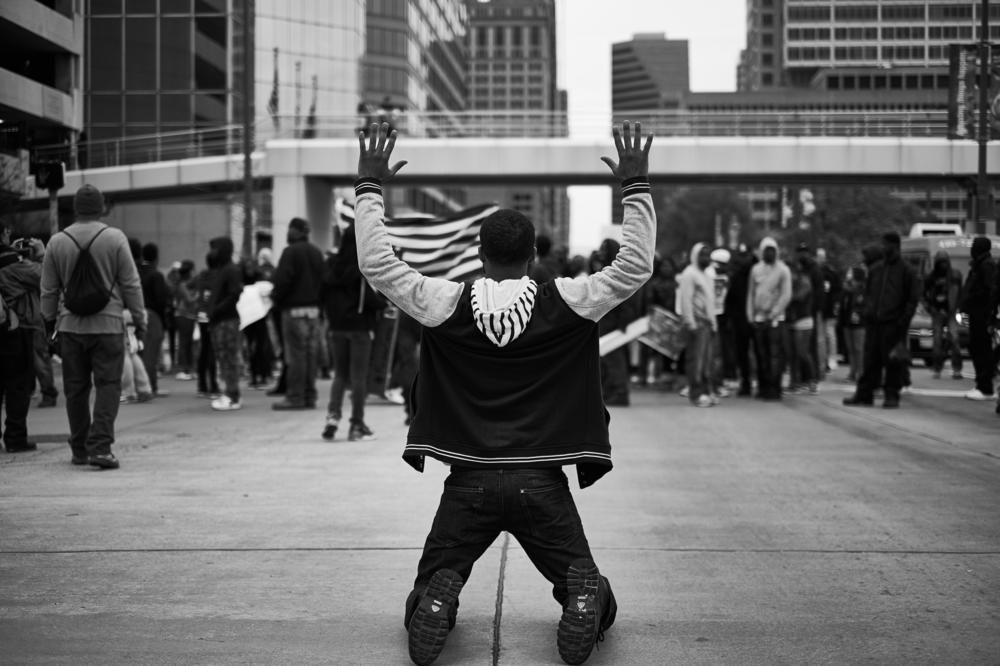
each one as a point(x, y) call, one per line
point(373, 161)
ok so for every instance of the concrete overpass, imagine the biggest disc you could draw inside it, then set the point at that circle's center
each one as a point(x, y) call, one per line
point(300, 172)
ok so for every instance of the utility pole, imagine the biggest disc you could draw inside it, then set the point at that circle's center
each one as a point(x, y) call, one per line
point(984, 211)
point(248, 90)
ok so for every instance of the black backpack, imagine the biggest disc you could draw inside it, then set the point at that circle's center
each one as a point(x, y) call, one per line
point(85, 292)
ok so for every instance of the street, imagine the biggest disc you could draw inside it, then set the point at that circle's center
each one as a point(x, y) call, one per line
point(800, 532)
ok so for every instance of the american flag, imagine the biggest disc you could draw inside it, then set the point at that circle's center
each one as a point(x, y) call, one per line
point(272, 101)
point(445, 247)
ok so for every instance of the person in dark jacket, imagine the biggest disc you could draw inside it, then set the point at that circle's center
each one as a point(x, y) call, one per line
point(614, 364)
point(224, 321)
point(851, 319)
point(297, 283)
point(350, 305)
point(892, 291)
point(156, 295)
point(978, 301)
point(736, 314)
point(940, 297)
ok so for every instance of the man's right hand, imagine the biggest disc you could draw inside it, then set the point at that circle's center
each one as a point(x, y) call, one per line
point(633, 160)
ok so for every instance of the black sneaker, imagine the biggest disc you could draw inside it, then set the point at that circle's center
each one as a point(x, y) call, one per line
point(431, 621)
point(330, 429)
point(359, 432)
point(21, 448)
point(855, 401)
point(104, 461)
point(590, 609)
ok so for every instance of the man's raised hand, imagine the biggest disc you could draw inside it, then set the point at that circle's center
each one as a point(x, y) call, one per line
point(373, 162)
point(633, 158)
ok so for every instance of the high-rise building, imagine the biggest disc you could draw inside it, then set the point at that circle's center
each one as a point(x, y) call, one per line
point(649, 72)
point(513, 68)
point(40, 84)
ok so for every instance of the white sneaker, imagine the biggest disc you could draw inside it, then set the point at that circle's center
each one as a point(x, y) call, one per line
point(976, 394)
point(705, 401)
point(184, 376)
point(395, 396)
point(723, 392)
point(225, 404)
point(684, 392)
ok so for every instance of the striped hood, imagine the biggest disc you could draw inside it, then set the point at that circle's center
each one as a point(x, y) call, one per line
point(502, 310)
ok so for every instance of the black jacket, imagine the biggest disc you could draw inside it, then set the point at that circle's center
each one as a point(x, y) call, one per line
point(298, 278)
point(891, 293)
point(225, 282)
point(978, 293)
point(349, 302)
point(155, 292)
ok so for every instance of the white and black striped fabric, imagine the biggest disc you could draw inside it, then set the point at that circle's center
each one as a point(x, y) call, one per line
point(444, 247)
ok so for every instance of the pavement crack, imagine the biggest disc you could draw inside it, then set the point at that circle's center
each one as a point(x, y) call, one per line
point(498, 615)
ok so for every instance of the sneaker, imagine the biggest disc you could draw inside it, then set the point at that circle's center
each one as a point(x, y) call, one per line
point(161, 393)
point(685, 391)
point(395, 396)
point(723, 392)
point(127, 399)
point(359, 432)
point(225, 404)
point(431, 621)
point(890, 403)
point(104, 461)
point(976, 394)
point(586, 615)
point(330, 429)
point(704, 401)
point(144, 397)
point(855, 401)
point(46, 401)
point(184, 376)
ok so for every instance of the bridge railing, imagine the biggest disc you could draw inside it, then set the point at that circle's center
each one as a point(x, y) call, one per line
point(228, 139)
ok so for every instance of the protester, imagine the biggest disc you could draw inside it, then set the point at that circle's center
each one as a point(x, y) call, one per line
point(43, 369)
point(546, 265)
point(224, 321)
point(723, 366)
point(851, 318)
point(509, 390)
point(942, 286)
point(259, 349)
point(350, 305)
point(614, 364)
point(810, 266)
point(156, 295)
point(826, 335)
point(801, 323)
point(768, 293)
point(892, 291)
point(297, 283)
point(977, 301)
point(740, 330)
point(696, 307)
point(661, 292)
point(92, 346)
point(185, 297)
point(208, 385)
point(135, 381)
point(20, 322)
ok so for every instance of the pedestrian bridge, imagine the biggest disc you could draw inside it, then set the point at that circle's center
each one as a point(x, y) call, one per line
point(299, 172)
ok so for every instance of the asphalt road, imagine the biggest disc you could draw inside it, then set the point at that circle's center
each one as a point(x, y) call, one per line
point(802, 532)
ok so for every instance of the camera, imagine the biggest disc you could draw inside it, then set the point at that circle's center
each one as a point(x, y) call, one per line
point(22, 246)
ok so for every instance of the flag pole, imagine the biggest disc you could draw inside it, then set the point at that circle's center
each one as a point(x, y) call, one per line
point(248, 90)
point(983, 193)
point(298, 96)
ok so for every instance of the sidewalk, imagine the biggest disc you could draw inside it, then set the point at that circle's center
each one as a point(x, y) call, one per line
point(798, 532)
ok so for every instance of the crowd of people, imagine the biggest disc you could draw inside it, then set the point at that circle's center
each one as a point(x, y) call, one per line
point(764, 323)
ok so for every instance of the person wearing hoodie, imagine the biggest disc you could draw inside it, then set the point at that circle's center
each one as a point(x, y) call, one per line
point(769, 291)
point(978, 301)
point(350, 305)
point(224, 321)
point(892, 291)
point(508, 391)
point(296, 295)
point(696, 307)
point(940, 297)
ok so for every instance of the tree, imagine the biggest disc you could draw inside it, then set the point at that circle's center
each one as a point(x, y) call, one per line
point(688, 215)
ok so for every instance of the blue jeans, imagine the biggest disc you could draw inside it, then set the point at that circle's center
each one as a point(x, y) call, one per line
point(768, 345)
point(534, 505)
point(301, 336)
point(92, 360)
point(351, 351)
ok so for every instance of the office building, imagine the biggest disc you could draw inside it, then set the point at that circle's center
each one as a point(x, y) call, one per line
point(40, 83)
point(513, 68)
point(649, 72)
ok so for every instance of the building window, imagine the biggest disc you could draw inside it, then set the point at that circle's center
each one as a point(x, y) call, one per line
point(808, 14)
point(856, 13)
point(767, 19)
point(767, 39)
point(903, 13)
point(767, 78)
point(499, 35)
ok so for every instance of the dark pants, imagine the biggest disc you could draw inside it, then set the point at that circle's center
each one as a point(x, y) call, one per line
point(260, 352)
point(153, 348)
point(944, 328)
point(698, 365)
point(981, 351)
point(208, 381)
point(43, 364)
point(378, 367)
point(301, 335)
point(534, 505)
point(226, 343)
point(742, 334)
point(880, 339)
point(92, 361)
point(614, 377)
point(768, 343)
point(351, 353)
point(17, 378)
point(185, 344)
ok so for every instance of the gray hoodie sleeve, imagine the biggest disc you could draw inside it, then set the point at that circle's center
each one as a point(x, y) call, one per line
point(593, 296)
point(428, 300)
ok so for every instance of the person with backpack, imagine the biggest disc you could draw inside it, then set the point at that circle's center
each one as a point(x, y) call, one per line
point(20, 276)
point(88, 280)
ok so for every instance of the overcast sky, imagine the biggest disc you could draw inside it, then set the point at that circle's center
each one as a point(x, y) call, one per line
point(715, 30)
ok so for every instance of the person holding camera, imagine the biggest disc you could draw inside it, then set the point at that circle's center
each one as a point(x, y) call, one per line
point(20, 319)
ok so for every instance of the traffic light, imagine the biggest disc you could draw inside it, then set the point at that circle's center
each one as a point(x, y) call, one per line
point(49, 175)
